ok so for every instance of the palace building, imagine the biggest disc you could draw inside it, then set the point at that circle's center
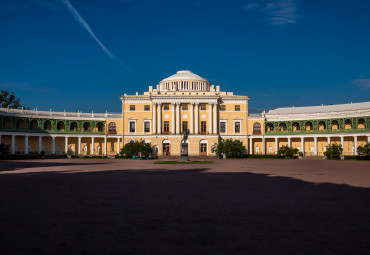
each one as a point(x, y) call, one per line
point(186, 101)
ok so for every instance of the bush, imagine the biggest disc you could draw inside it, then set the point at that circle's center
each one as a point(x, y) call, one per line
point(364, 151)
point(333, 151)
point(287, 152)
point(4, 149)
point(356, 157)
point(231, 148)
point(134, 148)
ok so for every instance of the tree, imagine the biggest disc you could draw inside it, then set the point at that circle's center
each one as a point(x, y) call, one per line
point(9, 100)
point(287, 152)
point(364, 151)
point(333, 151)
point(134, 148)
point(231, 148)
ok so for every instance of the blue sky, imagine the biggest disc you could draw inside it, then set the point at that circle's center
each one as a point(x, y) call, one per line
point(83, 55)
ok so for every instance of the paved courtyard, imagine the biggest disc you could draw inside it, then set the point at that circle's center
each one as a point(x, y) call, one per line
point(88, 206)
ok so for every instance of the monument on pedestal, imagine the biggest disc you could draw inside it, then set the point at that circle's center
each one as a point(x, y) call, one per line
point(184, 147)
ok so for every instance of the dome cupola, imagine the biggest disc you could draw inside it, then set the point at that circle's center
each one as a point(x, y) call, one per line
point(184, 81)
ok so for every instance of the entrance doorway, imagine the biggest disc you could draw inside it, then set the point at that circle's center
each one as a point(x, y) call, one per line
point(166, 149)
point(203, 149)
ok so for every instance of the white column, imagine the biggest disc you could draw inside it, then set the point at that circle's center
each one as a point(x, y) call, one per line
point(210, 118)
point(105, 145)
point(191, 118)
point(173, 118)
point(302, 145)
point(250, 146)
point(154, 118)
point(215, 122)
point(40, 144)
point(118, 144)
point(276, 145)
point(263, 145)
point(368, 139)
point(66, 144)
point(26, 144)
point(289, 142)
point(79, 146)
point(342, 143)
point(315, 145)
point(178, 119)
point(159, 131)
point(328, 140)
point(355, 144)
point(196, 118)
point(92, 146)
point(13, 144)
point(53, 145)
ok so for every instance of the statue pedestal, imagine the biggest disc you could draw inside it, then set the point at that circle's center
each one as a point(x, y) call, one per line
point(184, 152)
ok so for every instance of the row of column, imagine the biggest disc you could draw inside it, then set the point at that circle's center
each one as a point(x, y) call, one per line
point(12, 145)
point(176, 121)
point(302, 144)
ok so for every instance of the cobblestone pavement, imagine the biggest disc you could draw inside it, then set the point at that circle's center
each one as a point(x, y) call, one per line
point(90, 206)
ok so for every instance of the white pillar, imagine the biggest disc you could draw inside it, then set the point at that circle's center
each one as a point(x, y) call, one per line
point(355, 144)
point(53, 145)
point(342, 143)
point(105, 145)
point(263, 146)
point(40, 144)
point(191, 118)
point(215, 122)
point(315, 145)
point(118, 144)
point(159, 131)
point(26, 144)
point(92, 146)
point(154, 118)
point(289, 142)
point(328, 140)
point(210, 118)
point(173, 118)
point(251, 146)
point(178, 119)
point(79, 146)
point(196, 118)
point(66, 144)
point(13, 144)
point(368, 139)
point(276, 145)
point(302, 145)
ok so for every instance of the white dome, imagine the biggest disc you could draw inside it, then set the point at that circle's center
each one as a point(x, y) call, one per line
point(184, 75)
point(184, 81)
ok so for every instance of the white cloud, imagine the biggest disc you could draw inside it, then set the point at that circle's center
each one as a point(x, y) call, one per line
point(279, 12)
point(84, 24)
point(362, 83)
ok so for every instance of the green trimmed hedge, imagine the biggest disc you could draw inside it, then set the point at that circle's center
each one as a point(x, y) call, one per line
point(356, 158)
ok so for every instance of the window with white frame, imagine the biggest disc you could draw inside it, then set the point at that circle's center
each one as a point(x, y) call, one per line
point(146, 126)
point(222, 126)
point(237, 126)
point(132, 126)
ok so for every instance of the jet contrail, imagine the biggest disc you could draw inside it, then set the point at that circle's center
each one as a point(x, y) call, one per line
point(83, 23)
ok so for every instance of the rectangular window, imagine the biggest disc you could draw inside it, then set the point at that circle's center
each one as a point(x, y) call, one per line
point(203, 107)
point(146, 126)
point(237, 127)
point(184, 126)
point(222, 107)
point(166, 127)
point(146, 107)
point(237, 108)
point(166, 107)
point(222, 127)
point(132, 107)
point(184, 107)
point(203, 127)
point(132, 127)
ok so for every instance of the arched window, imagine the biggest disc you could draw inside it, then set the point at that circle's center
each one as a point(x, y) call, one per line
point(100, 127)
point(256, 128)
point(73, 126)
point(282, 127)
point(269, 127)
point(87, 126)
point(47, 125)
point(34, 125)
point(60, 126)
point(334, 125)
point(7, 123)
point(112, 126)
point(20, 124)
point(322, 125)
point(348, 124)
point(361, 124)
